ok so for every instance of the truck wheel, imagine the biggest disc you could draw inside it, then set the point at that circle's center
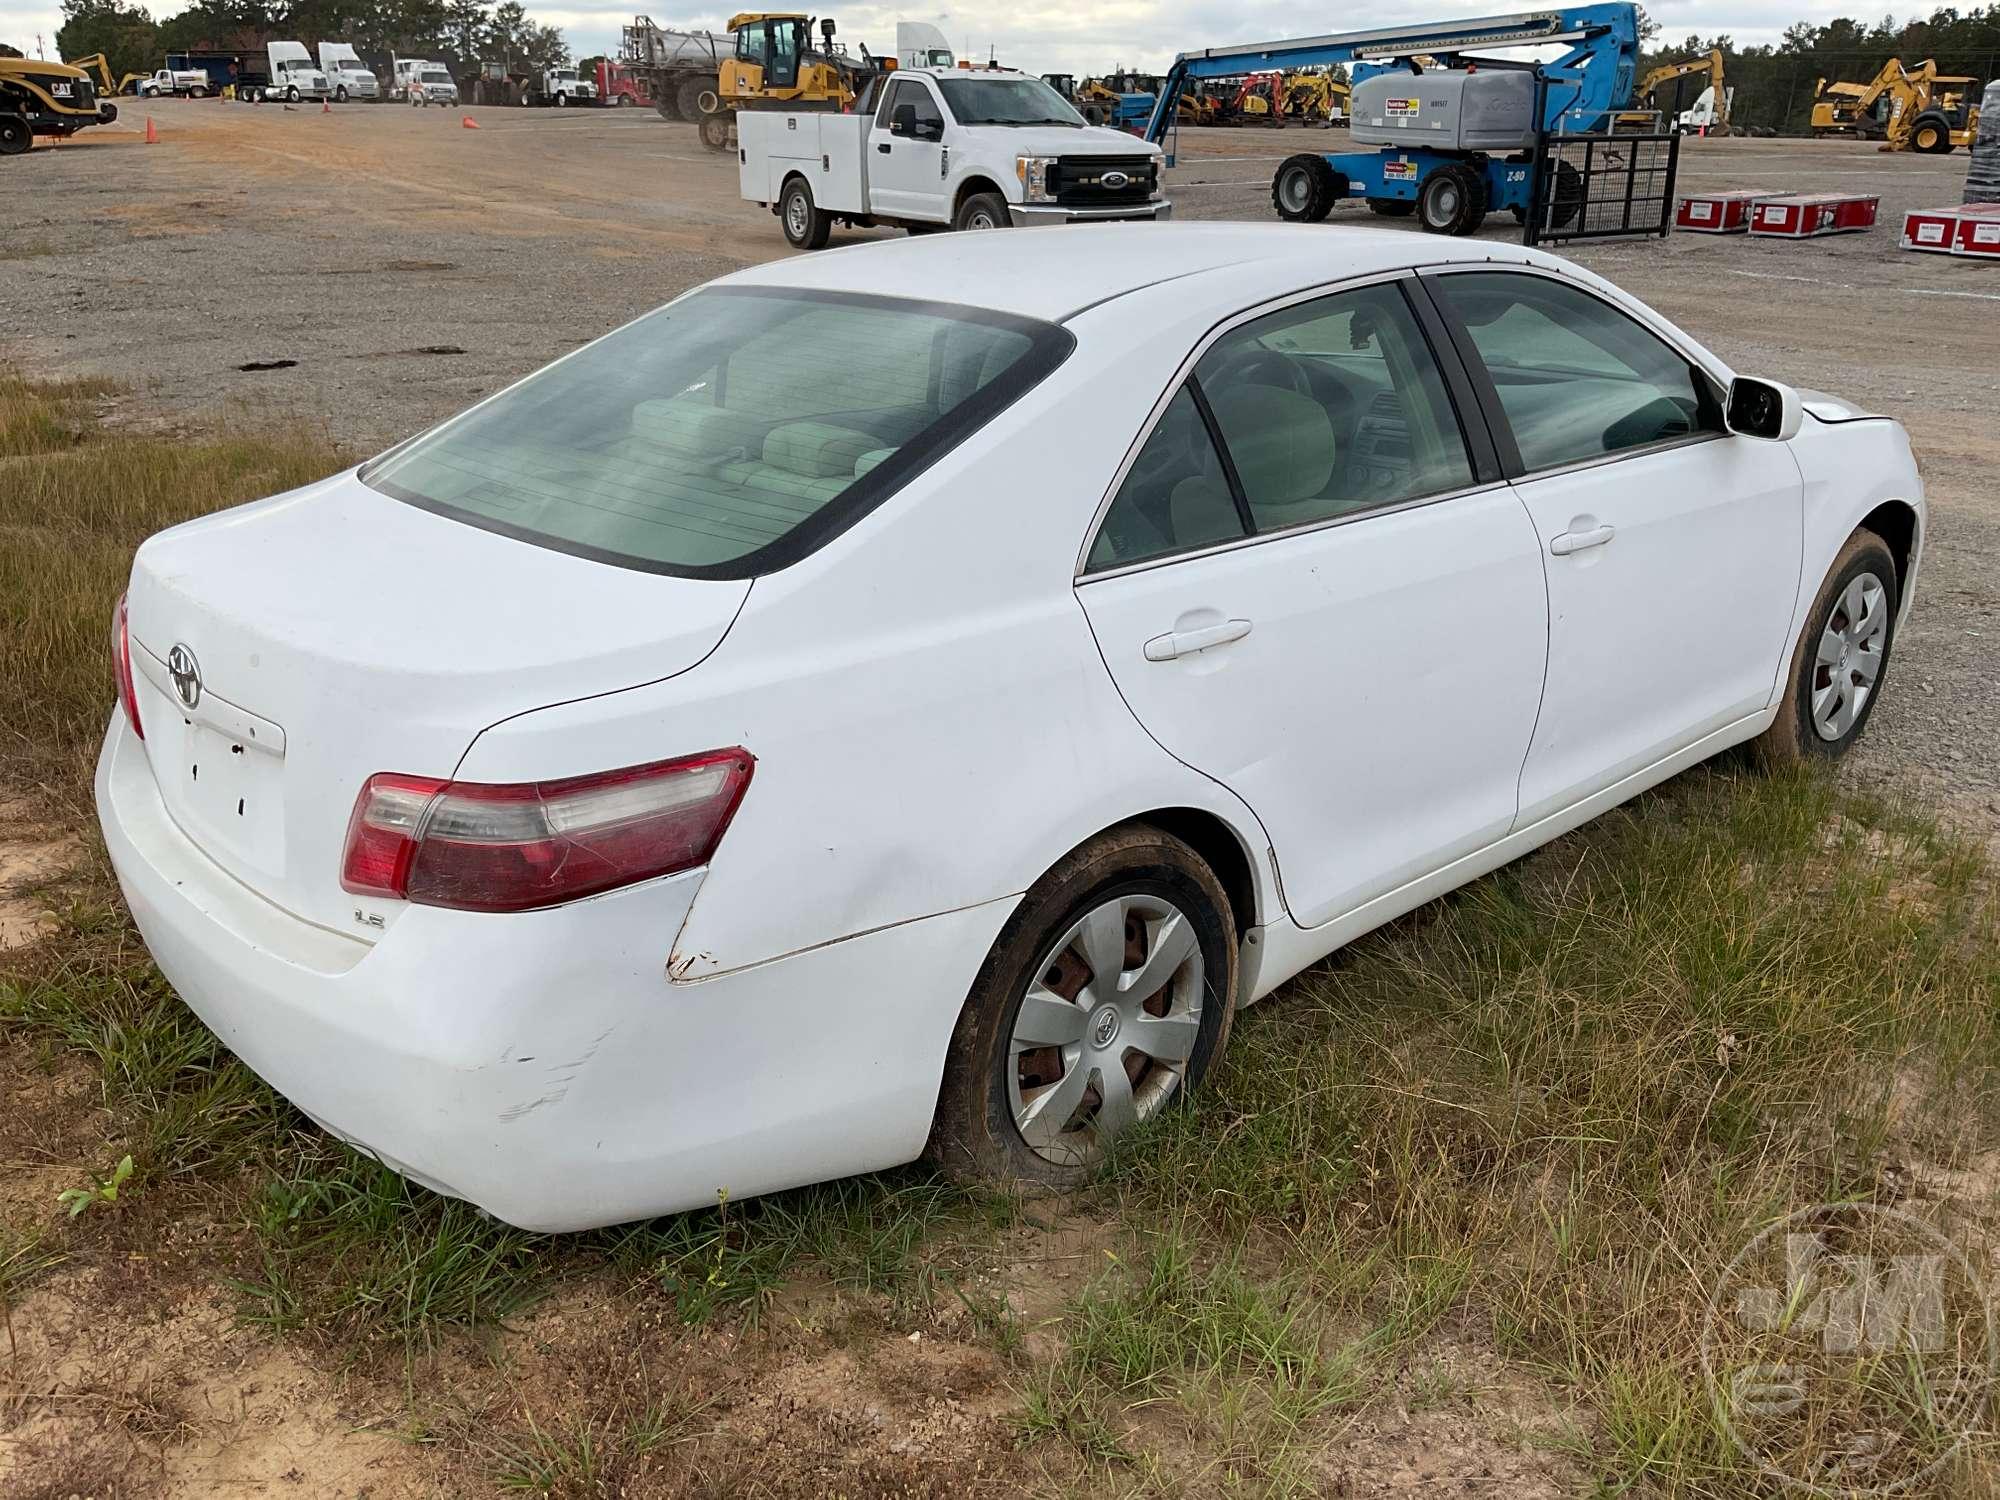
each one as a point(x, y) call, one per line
point(340, 94)
point(982, 211)
point(806, 227)
point(1305, 189)
point(292, 94)
point(561, 100)
point(1452, 200)
point(668, 106)
point(715, 132)
point(1392, 208)
point(688, 99)
point(1931, 136)
point(197, 92)
point(15, 136)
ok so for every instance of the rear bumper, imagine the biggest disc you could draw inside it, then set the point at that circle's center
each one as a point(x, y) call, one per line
point(1025, 215)
point(542, 1065)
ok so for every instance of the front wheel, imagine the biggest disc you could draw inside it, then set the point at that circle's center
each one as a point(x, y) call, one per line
point(1106, 997)
point(15, 136)
point(806, 226)
point(1305, 189)
point(292, 94)
point(715, 132)
point(340, 94)
point(982, 211)
point(1840, 660)
point(562, 101)
point(1452, 200)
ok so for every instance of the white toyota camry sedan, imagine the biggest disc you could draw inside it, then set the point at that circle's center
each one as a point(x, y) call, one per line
point(904, 700)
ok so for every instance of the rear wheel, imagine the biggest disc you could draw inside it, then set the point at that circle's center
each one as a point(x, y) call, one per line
point(197, 92)
point(693, 99)
point(806, 226)
point(1103, 1001)
point(715, 132)
point(1452, 200)
point(1840, 659)
point(1305, 189)
point(981, 211)
point(1932, 136)
point(15, 136)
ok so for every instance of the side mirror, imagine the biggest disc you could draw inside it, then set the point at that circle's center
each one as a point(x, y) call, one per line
point(903, 120)
point(1763, 409)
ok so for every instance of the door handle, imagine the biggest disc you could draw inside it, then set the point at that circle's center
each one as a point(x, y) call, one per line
point(1181, 643)
point(1581, 541)
point(883, 147)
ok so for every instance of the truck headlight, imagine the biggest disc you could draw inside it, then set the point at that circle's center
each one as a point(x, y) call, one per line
point(1034, 172)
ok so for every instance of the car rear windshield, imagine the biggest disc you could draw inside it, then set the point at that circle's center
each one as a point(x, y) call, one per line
point(729, 433)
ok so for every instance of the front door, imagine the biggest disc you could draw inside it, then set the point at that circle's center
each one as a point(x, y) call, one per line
point(1672, 547)
point(1302, 591)
point(906, 172)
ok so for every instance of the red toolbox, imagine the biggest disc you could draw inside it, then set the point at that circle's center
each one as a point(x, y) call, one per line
point(1978, 231)
point(1719, 213)
point(1800, 216)
point(1930, 229)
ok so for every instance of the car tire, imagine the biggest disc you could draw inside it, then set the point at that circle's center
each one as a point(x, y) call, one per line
point(981, 211)
point(1452, 200)
point(1151, 885)
point(15, 135)
point(1392, 208)
point(1305, 189)
point(806, 225)
point(1853, 618)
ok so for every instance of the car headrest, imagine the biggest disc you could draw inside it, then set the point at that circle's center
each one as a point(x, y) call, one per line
point(818, 450)
point(1282, 442)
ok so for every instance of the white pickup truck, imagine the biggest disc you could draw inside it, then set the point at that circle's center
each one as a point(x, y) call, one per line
point(934, 148)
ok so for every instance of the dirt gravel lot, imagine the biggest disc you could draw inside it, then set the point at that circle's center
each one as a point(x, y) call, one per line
point(406, 265)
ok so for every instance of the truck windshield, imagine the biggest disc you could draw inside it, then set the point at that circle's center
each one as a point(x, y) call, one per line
point(436, 75)
point(1006, 101)
point(729, 433)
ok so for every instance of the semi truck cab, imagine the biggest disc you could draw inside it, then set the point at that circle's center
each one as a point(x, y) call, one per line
point(928, 148)
point(346, 74)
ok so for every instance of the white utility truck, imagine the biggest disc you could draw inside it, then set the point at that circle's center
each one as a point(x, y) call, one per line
point(349, 77)
point(293, 75)
point(561, 87)
point(935, 148)
point(185, 83)
point(422, 82)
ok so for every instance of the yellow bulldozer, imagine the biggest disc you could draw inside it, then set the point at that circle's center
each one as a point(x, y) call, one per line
point(1906, 109)
point(776, 65)
point(46, 98)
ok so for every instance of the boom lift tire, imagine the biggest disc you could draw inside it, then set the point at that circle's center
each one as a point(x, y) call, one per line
point(1452, 200)
point(15, 136)
point(1306, 188)
point(715, 132)
point(1568, 199)
point(807, 226)
point(1392, 208)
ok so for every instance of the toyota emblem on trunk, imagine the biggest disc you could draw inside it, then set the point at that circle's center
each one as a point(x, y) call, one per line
point(186, 673)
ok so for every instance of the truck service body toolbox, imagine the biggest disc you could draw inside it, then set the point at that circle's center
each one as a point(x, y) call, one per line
point(907, 156)
point(1800, 216)
point(1719, 213)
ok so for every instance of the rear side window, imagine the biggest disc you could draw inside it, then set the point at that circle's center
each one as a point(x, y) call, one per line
point(729, 433)
point(1577, 378)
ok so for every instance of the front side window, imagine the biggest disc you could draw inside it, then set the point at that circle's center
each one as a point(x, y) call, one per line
point(1576, 378)
point(909, 91)
point(1333, 407)
point(707, 439)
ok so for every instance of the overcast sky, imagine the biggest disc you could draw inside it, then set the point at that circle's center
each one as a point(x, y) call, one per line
point(1090, 36)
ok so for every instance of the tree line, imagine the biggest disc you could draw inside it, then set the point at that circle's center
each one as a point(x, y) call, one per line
point(1774, 84)
point(459, 33)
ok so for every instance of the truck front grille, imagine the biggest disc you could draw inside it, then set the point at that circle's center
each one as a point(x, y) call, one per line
point(1100, 181)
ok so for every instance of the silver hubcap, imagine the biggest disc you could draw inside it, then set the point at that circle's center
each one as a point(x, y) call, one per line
point(795, 217)
point(1444, 203)
point(980, 220)
point(1295, 192)
point(1849, 658)
point(1106, 1028)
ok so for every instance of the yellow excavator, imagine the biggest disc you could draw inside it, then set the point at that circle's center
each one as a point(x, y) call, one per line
point(99, 64)
point(776, 65)
point(46, 98)
point(1670, 114)
point(1905, 109)
point(1312, 97)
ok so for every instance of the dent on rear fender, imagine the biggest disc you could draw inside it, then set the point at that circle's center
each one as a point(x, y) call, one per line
point(555, 1079)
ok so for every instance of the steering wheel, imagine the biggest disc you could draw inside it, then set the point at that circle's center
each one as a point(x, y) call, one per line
point(1255, 366)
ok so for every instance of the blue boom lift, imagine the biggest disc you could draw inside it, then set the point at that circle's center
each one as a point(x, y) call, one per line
point(1457, 139)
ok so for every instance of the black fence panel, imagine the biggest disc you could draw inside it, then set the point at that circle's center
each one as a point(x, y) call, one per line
point(1594, 187)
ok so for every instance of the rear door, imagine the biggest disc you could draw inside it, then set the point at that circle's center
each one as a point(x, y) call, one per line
point(1672, 547)
point(1310, 585)
point(905, 174)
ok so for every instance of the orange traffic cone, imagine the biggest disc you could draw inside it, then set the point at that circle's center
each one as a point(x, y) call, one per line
point(468, 122)
point(152, 132)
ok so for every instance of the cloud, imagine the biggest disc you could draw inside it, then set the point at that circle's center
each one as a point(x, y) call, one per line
point(1093, 37)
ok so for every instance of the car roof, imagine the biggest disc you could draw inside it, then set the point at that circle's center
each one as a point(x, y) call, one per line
point(1056, 272)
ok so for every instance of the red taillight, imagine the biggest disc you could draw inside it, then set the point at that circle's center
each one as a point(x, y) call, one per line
point(121, 660)
point(478, 846)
